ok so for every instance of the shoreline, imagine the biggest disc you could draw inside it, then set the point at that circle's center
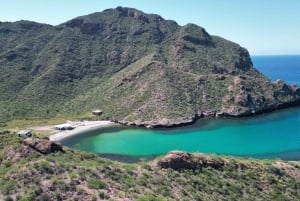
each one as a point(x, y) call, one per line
point(80, 128)
point(87, 125)
point(179, 122)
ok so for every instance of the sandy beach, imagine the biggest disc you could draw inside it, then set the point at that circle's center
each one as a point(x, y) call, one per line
point(79, 128)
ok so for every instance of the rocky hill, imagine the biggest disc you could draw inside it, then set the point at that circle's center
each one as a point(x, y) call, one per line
point(138, 68)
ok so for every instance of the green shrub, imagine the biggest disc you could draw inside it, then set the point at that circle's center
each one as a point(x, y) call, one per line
point(44, 197)
point(95, 183)
point(30, 196)
point(150, 197)
point(57, 195)
point(45, 166)
point(80, 191)
point(103, 195)
point(8, 199)
point(72, 175)
point(276, 171)
point(8, 186)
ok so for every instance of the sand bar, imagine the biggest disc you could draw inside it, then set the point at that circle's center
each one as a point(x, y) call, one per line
point(80, 127)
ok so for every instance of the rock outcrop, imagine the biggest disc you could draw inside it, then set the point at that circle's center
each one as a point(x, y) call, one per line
point(43, 146)
point(178, 160)
point(164, 122)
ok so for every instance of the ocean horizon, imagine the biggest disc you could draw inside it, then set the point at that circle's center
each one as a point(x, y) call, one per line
point(285, 67)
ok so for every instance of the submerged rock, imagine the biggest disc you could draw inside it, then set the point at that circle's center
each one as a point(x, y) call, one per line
point(178, 160)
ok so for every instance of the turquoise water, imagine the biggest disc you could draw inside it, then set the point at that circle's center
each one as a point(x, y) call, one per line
point(273, 135)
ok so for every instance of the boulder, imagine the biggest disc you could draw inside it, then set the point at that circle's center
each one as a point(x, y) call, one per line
point(43, 146)
point(178, 160)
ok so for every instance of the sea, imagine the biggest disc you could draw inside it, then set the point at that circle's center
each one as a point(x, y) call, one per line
point(285, 67)
point(274, 135)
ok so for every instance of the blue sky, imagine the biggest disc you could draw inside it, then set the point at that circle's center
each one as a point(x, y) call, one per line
point(262, 26)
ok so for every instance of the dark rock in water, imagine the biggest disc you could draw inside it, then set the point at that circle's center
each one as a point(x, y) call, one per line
point(43, 146)
point(178, 160)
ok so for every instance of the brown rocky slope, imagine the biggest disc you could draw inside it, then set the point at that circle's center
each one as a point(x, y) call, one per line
point(137, 68)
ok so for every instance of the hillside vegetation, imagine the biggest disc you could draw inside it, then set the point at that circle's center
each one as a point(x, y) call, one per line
point(136, 67)
point(27, 175)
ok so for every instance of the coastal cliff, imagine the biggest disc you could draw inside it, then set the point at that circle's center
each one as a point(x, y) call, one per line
point(138, 68)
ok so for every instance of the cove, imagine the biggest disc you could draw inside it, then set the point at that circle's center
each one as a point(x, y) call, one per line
point(272, 135)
